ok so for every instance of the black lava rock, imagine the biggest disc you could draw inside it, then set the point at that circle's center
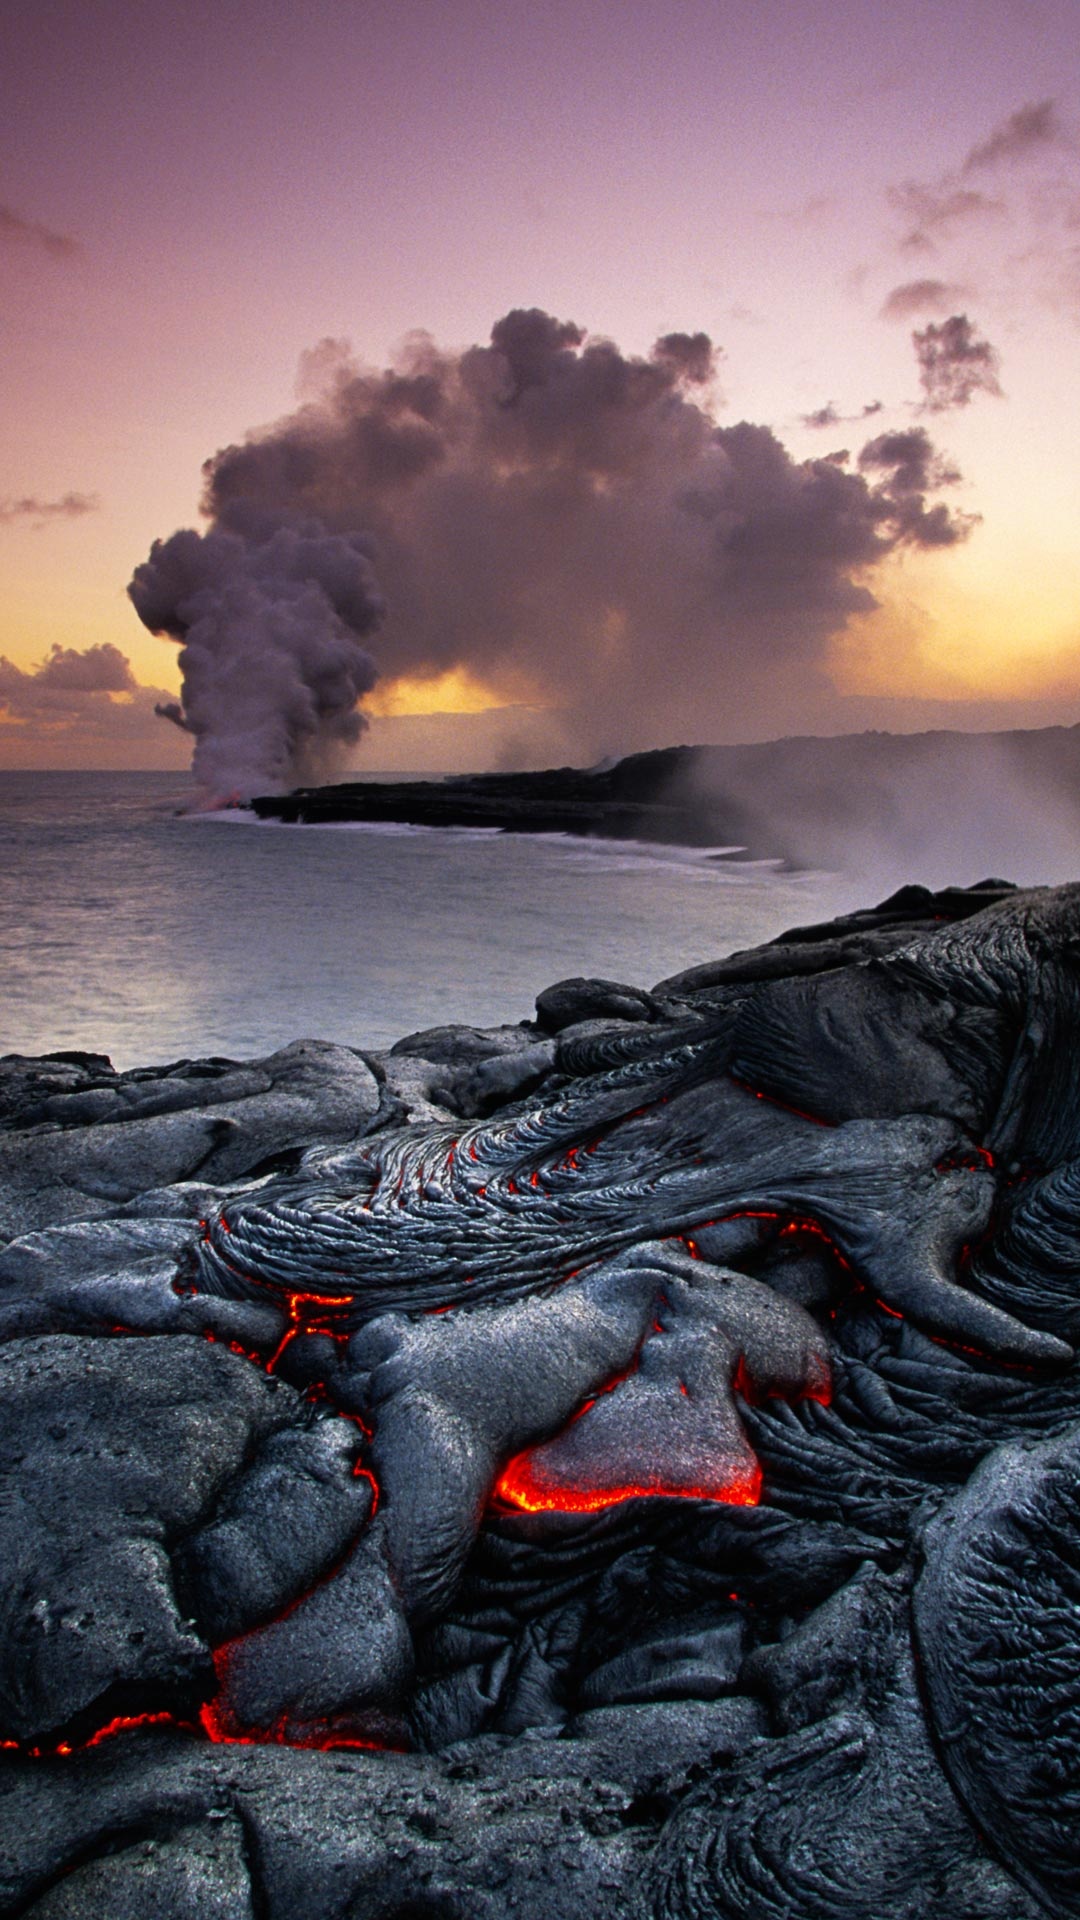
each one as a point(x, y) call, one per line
point(624, 1464)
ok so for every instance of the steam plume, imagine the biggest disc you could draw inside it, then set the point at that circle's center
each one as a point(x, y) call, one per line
point(565, 521)
point(270, 617)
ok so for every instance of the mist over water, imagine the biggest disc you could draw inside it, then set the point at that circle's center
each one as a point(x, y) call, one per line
point(881, 809)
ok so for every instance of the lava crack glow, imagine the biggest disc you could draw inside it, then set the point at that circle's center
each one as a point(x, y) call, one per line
point(520, 1487)
point(301, 1321)
point(224, 1731)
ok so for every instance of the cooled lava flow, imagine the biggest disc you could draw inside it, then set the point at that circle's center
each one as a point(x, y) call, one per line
point(669, 1425)
point(424, 1217)
point(679, 1460)
point(668, 1335)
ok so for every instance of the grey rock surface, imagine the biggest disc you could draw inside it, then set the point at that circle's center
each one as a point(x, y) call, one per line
point(78, 1141)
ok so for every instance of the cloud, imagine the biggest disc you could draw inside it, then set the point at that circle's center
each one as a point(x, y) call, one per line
point(933, 211)
point(319, 366)
point(15, 231)
point(809, 212)
point(70, 506)
point(569, 525)
point(78, 707)
point(1030, 128)
point(955, 363)
point(827, 416)
point(65, 681)
point(911, 468)
point(920, 296)
point(690, 357)
point(100, 669)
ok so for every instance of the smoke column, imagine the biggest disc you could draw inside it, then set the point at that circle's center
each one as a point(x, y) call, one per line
point(270, 617)
point(567, 522)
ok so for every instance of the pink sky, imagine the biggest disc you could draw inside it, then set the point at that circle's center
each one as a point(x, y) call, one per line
point(191, 200)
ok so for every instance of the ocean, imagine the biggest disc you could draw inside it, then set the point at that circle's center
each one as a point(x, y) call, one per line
point(134, 928)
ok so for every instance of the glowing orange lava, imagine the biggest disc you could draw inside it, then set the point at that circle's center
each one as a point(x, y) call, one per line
point(519, 1487)
point(121, 1724)
point(124, 1721)
point(224, 1730)
point(300, 1322)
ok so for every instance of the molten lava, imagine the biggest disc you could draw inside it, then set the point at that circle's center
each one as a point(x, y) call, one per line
point(300, 1321)
point(519, 1486)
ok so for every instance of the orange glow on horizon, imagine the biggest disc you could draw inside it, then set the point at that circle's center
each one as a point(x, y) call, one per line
point(944, 633)
point(455, 690)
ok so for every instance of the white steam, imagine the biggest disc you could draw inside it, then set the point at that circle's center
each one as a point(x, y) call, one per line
point(882, 809)
point(271, 617)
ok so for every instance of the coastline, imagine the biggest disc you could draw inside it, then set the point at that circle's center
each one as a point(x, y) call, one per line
point(804, 802)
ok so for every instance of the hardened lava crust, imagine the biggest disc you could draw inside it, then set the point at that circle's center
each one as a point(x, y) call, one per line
point(625, 1465)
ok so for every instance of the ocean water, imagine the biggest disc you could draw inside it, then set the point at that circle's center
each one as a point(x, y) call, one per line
point(131, 927)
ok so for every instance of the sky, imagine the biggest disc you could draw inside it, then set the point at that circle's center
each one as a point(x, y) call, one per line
point(873, 214)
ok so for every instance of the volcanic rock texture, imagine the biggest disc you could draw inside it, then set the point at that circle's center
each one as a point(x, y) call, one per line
point(624, 1465)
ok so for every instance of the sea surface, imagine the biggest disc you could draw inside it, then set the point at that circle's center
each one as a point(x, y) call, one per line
point(134, 927)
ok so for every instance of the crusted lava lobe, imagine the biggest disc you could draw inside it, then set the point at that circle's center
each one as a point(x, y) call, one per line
point(623, 1464)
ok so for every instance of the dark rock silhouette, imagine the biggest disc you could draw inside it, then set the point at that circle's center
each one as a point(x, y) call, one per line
point(625, 1464)
point(869, 797)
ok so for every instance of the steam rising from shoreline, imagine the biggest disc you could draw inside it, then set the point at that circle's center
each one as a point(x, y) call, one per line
point(565, 522)
point(940, 808)
point(270, 620)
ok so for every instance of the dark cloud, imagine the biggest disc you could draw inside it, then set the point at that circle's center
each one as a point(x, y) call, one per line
point(690, 356)
point(911, 467)
point(569, 524)
point(270, 616)
point(65, 681)
point(932, 211)
point(920, 296)
point(79, 707)
point(15, 231)
point(526, 340)
point(955, 363)
point(101, 669)
point(916, 465)
point(827, 416)
point(1028, 129)
point(70, 506)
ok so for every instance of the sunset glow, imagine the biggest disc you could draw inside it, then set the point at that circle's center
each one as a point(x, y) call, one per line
point(454, 691)
point(208, 220)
